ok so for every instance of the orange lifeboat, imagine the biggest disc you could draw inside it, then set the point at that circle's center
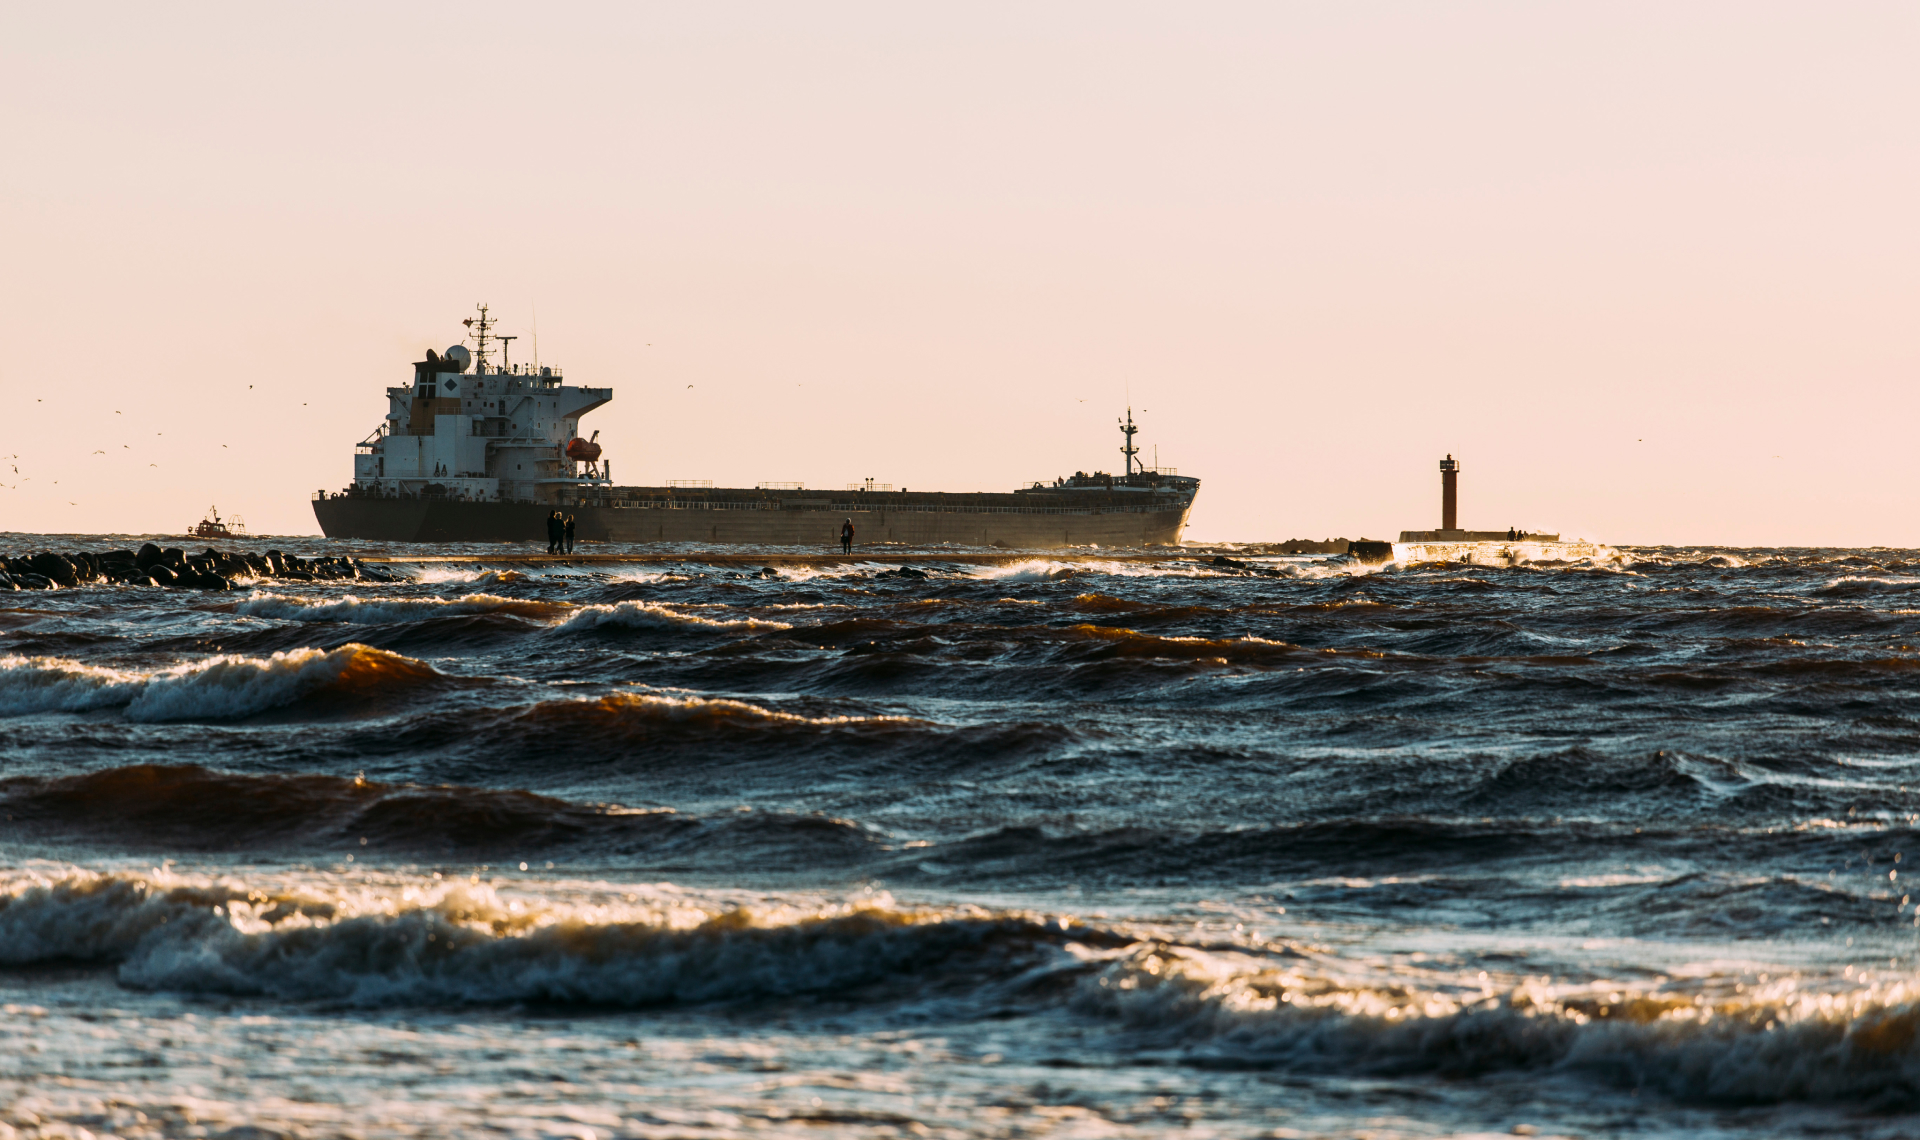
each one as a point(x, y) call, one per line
point(584, 450)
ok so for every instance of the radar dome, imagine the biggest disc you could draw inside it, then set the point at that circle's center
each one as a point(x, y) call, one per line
point(458, 357)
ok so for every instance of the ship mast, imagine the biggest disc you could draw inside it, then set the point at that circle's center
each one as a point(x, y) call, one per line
point(1128, 449)
point(482, 326)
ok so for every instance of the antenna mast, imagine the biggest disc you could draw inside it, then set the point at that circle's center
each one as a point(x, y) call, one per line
point(1128, 449)
point(482, 327)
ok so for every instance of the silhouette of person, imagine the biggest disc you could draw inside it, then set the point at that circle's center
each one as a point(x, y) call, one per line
point(569, 533)
point(846, 537)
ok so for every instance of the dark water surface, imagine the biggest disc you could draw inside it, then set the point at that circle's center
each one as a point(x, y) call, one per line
point(1053, 849)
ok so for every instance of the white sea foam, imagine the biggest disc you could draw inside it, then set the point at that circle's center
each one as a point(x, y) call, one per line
point(1047, 570)
point(1886, 581)
point(653, 615)
point(219, 687)
point(379, 611)
point(52, 684)
point(1691, 1038)
point(669, 707)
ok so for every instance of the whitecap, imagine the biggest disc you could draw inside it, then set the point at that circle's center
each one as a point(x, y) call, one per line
point(653, 615)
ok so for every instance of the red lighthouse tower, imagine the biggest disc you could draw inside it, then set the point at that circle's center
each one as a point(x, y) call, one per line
point(1449, 493)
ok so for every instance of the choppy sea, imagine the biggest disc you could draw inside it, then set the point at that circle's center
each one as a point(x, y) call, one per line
point(1052, 849)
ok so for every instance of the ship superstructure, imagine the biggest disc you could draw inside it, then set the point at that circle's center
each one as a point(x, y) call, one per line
point(472, 430)
point(473, 450)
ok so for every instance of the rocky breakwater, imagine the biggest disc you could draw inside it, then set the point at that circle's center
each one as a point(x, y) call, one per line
point(173, 567)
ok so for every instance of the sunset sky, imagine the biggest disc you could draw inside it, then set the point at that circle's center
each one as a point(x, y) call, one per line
point(1651, 271)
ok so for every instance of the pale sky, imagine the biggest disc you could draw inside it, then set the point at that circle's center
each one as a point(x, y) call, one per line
point(1649, 270)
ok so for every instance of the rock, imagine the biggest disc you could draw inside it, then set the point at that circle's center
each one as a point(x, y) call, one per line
point(6, 581)
point(161, 574)
point(54, 567)
point(769, 572)
point(30, 581)
point(174, 558)
point(149, 555)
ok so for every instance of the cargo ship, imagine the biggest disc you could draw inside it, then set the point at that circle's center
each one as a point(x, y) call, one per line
point(475, 450)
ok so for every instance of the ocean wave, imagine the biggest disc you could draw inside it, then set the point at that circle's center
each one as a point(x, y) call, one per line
point(1859, 584)
point(191, 808)
point(1716, 1036)
point(652, 615)
point(1050, 570)
point(1099, 641)
point(465, 943)
point(221, 687)
point(380, 611)
point(623, 712)
point(1699, 1040)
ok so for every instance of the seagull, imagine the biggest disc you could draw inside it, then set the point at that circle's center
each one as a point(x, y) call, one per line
point(223, 445)
point(153, 465)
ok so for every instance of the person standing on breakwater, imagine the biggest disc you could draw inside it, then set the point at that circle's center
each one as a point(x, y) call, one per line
point(846, 537)
point(569, 534)
point(554, 532)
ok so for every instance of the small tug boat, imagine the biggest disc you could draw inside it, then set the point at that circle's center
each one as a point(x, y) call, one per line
point(213, 526)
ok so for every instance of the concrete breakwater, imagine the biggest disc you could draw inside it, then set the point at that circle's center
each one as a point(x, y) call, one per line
point(1510, 552)
point(153, 565)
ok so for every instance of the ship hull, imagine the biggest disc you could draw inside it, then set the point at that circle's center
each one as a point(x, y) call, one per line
point(442, 520)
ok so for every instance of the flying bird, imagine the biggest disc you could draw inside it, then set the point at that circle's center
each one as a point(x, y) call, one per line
point(103, 453)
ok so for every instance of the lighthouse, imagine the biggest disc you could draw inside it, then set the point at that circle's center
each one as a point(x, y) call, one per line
point(1449, 493)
